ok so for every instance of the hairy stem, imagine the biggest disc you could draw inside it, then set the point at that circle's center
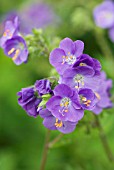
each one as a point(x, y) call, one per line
point(50, 145)
point(45, 151)
point(104, 140)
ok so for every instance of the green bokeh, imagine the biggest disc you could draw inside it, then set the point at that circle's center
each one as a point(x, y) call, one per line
point(21, 136)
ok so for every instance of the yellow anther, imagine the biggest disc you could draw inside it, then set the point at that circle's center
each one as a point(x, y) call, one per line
point(11, 51)
point(98, 96)
point(78, 81)
point(82, 64)
point(84, 99)
point(66, 103)
point(68, 53)
point(61, 104)
point(71, 56)
point(66, 57)
point(58, 124)
point(16, 54)
point(76, 87)
point(82, 83)
point(4, 34)
point(63, 56)
point(66, 110)
point(87, 103)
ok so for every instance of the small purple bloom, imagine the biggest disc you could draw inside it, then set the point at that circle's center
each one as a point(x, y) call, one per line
point(86, 60)
point(38, 15)
point(53, 123)
point(28, 101)
point(81, 77)
point(11, 29)
point(66, 55)
point(43, 86)
point(103, 95)
point(104, 14)
point(16, 49)
point(65, 104)
point(88, 99)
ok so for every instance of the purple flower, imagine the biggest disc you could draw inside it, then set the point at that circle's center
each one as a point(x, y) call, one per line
point(36, 16)
point(11, 29)
point(103, 95)
point(66, 55)
point(86, 60)
point(28, 101)
point(81, 77)
point(104, 14)
point(43, 86)
point(53, 123)
point(65, 104)
point(16, 49)
point(88, 99)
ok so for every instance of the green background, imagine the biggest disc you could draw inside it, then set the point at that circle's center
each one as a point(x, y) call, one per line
point(22, 137)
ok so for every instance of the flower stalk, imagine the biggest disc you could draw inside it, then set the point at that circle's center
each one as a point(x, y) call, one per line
point(104, 140)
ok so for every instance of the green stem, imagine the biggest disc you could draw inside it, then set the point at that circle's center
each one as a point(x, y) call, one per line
point(51, 144)
point(101, 40)
point(104, 140)
point(45, 151)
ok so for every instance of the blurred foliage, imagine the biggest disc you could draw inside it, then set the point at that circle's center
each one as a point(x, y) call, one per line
point(22, 137)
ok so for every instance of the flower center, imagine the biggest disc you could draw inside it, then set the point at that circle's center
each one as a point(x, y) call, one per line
point(16, 53)
point(58, 123)
point(79, 80)
point(69, 59)
point(7, 33)
point(64, 104)
point(85, 101)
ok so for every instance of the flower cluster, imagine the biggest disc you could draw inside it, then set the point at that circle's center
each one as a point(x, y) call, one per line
point(104, 17)
point(81, 86)
point(13, 43)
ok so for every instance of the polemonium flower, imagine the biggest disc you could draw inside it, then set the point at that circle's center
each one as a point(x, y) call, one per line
point(81, 77)
point(104, 14)
point(29, 101)
point(38, 15)
point(16, 49)
point(103, 95)
point(88, 99)
point(10, 30)
point(43, 86)
point(66, 55)
point(65, 104)
point(54, 123)
point(86, 60)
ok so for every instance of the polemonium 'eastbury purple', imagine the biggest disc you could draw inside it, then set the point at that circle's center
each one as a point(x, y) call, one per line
point(66, 55)
point(54, 123)
point(103, 95)
point(29, 101)
point(81, 77)
point(43, 87)
point(10, 30)
point(16, 49)
point(65, 104)
point(104, 14)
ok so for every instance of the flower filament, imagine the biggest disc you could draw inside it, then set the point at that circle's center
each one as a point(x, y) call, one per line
point(79, 80)
point(69, 59)
point(85, 101)
point(64, 104)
